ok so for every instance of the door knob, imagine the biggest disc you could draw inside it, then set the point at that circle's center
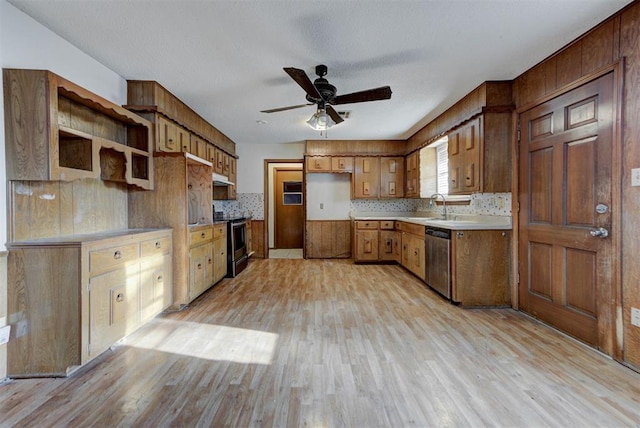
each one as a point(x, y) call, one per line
point(601, 232)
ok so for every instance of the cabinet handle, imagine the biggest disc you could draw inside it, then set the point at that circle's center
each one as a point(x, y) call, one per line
point(459, 235)
point(120, 297)
point(199, 266)
point(117, 255)
point(158, 245)
point(202, 235)
point(160, 278)
point(210, 261)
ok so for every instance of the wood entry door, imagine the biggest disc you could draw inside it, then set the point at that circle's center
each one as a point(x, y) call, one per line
point(289, 211)
point(565, 193)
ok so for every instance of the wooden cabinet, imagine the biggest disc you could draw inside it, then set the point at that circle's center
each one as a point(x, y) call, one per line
point(464, 158)
point(73, 297)
point(181, 200)
point(56, 130)
point(366, 241)
point(480, 267)
point(391, 177)
point(366, 178)
point(390, 246)
point(329, 164)
point(413, 248)
point(200, 260)
point(480, 154)
point(220, 250)
point(166, 135)
point(413, 175)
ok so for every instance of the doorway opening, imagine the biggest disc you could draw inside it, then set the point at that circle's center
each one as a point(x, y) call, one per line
point(285, 208)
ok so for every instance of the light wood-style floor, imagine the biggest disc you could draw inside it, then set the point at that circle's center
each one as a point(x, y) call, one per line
point(324, 343)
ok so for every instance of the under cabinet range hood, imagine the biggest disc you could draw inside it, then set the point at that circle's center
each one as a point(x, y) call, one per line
point(221, 180)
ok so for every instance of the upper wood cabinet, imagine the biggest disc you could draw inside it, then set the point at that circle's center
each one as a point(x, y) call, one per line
point(166, 135)
point(391, 177)
point(413, 175)
point(56, 130)
point(366, 177)
point(329, 164)
point(464, 159)
point(480, 155)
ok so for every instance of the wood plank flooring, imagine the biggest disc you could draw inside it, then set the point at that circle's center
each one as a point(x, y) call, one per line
point(326, 343)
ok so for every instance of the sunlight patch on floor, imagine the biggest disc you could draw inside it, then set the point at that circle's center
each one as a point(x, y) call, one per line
point(207, 341)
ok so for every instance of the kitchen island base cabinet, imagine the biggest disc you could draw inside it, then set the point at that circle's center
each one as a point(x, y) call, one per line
point(71, 298)
point(480, 268)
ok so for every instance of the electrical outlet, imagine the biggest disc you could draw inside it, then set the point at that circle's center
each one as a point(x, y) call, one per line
point(635, 177)
point(4, 334)
point(635, 317)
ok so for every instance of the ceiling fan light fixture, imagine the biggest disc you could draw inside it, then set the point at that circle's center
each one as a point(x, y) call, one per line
point(320, 121)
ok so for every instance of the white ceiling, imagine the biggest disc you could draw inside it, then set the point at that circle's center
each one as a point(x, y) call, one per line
point(224, 58)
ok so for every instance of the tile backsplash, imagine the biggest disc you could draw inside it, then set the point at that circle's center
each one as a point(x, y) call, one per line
point(498, 204)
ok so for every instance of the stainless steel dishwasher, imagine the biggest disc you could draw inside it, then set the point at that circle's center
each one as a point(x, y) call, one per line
point(438, 260)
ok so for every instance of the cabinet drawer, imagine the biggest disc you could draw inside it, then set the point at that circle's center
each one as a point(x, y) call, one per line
point(151, 247)
point(387, 224)
point(198, 236)
point(415, 229)
point(362, 224)
point(341, 164)
point(318, 163)
point(219, 231)
point(102, 260)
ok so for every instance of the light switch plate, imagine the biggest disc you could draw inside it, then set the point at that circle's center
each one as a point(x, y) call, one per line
point(635, 177)
point(4, 334)
point(635, 317)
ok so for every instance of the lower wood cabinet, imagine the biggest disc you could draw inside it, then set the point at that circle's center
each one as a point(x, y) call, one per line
point(70, 298)
point(220, 250)
point(480, 267)
point(200, 260)
point(413, 247)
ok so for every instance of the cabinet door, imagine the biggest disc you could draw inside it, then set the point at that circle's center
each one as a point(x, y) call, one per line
point(199, 147)
point(405, 243)
point(341, 164)
point(464, 159)
point(413, 175)
point(366, 178)
point(485, 281)
point(218, 164)
point(417, 256)
point(167, 138)
point(113, 307)
point(198, 269)
point(184, 140)
point(392, 177)
point(220, 258)
point(389, 245)
point(318, 164)
point(367, 245)
point(226, 164)
point(155, 285)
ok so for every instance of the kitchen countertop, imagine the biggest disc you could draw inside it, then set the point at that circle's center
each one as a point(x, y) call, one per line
point(453, 221)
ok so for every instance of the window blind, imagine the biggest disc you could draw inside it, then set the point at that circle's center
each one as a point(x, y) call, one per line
point(442, 168)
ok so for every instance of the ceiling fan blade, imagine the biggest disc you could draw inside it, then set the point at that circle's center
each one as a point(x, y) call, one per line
point(334, 114)
point(303, 80)
point(382, 93)
point(275, 110)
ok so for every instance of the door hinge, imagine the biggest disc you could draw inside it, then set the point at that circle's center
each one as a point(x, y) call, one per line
point(518, 130)
point(518, 278)
point(518, 206)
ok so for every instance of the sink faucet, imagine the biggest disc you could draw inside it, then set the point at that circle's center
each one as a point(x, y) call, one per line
point(434, 197)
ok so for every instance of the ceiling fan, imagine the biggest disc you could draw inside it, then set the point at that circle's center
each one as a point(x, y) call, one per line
point(324, 94)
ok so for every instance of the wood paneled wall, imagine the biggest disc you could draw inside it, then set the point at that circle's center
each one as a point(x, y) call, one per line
point(3, 311)
point(356, 147)
point(43, 209)
point(328, 239)
point(609, 42)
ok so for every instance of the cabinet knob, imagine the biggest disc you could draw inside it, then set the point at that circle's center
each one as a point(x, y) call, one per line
point(202, 235)
point(117, 255)
point(199, 265)
point(120, 297)
point(158, 245)
point(160, 278)
point(210, 261)
point(459, 234)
